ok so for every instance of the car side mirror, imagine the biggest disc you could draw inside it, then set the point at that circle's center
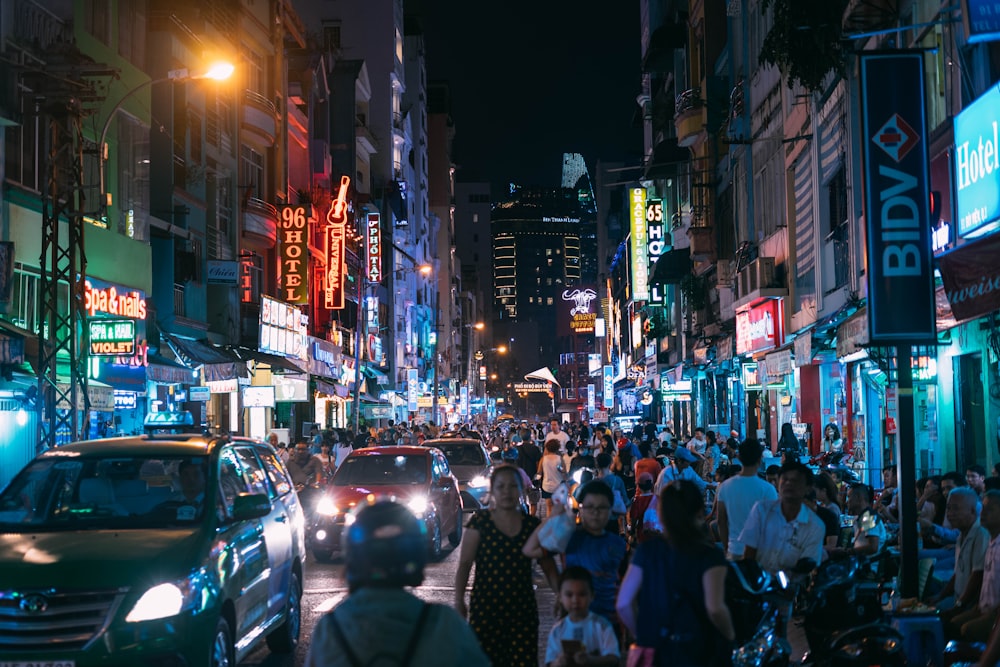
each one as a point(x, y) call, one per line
point(251, 506)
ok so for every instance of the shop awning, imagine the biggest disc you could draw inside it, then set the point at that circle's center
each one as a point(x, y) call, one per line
point(214, 362)
point(672, 267)
point(166, 371)
point(663, 42)
point(17, 345)
point(965, 271)
point(276, 363)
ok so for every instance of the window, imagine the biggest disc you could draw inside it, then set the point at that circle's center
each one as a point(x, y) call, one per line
point(133, 178)
point(252, 172)
point(97, 19)
point(22, 160)
point(331, 37)
point(132, 32)
point(253, 63)
point(253, 471)
point(194, 142)
point(548, 301)
point(231, 480)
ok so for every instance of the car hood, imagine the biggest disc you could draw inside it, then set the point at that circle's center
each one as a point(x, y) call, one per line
point(465, 473)
point(349, 496)
point(96, 558)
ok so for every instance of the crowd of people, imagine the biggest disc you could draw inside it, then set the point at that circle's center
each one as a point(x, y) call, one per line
point(643, 568)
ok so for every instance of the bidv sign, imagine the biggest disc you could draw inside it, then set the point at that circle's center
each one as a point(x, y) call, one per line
point(977, 163)
point(900, 262)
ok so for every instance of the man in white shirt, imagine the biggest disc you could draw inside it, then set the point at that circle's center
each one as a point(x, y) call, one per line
point(970, 552)
point(974, 624)
point(780, 533)
point(556, 432)
point(737, 496)
point(698, 443)
point(680, 469)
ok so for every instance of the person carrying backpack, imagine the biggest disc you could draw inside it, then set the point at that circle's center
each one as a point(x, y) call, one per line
point(380, 623)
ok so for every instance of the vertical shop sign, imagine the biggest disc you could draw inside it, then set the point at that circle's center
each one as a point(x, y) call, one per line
point(336, 233)
point(640, 253)
point(897, 199)
point(374, 248)
point(591, 399)
point(609, 387)
point(293, 249)
point(463, 401)
point(412, 389)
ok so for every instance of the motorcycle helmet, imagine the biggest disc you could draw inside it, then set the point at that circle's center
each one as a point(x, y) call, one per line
point(385, 546)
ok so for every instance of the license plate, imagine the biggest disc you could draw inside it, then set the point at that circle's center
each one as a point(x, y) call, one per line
point(38, 663)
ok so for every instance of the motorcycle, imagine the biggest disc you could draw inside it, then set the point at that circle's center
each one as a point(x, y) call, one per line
point(756, 601)
point(843, 618)
point(837, 464)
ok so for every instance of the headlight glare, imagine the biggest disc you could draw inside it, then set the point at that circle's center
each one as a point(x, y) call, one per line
point(162, 601)
point(479, 481)
point(418, 505)
point(326, 507)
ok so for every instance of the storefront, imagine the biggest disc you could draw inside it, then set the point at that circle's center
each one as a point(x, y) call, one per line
point(760, 329)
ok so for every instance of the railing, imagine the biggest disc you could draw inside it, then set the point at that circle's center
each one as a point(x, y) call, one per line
point(688, 100)
point(258, 100)
point(261, 207)
point(179, 301)
point(841, 255)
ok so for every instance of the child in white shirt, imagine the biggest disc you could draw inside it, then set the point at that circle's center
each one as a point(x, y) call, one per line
point(580, 637)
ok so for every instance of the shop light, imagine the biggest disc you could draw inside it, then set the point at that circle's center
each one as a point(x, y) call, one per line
point(22, 417)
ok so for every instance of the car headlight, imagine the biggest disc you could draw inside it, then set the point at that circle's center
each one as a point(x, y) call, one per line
point(169, 599)
point(479, 482)
point(418, 505)
point(327, 507)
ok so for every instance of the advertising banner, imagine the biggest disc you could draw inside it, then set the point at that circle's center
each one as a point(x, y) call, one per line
point(412, 389)
point(971, 277)
point(374, 248)
point(640, 252)
point(977, 162)
point(609, 387)
point(283, 329)
point(463, 401)
point(760, 327)
point(293, 253)
point(577, 312)
point(591, 398)
point(897, 199)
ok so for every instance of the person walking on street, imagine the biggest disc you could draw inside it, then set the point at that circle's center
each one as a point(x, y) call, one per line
point(385, 552)
point(502, 609)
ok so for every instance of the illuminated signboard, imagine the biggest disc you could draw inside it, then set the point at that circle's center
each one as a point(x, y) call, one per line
point(126, 400)
point(582, 318)
point(463, 401)
point(336, 234)
point(112, 338)
point(412, 389)
point(109, 300)
point(283, 329)
point(609, 387)
point(258, 397)
point(640, 253)
point(760, 327)
point(374, 248)
point(532, 387)
point(655, 232)
point(293, 254)
point(977, 164)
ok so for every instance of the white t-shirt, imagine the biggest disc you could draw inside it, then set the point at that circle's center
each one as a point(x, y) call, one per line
point(595, 632)
point(561, 436)
point(780, 544)
point(739, 494)
point(341, 452)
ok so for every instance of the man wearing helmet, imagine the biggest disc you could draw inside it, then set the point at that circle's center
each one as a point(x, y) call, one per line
point(381, 623)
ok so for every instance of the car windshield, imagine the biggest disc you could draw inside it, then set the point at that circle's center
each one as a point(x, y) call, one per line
point(384, 469)
point(74, 492)
point(463, 454)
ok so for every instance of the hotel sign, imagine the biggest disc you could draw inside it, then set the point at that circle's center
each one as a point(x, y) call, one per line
point(293, 254)
point(640, 252)
point(977, 163)
point(336, 236)
point(374, 263)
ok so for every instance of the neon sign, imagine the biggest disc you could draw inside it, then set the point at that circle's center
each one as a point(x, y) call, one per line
point(336, 234)
point(582, 320)
point(640, 252)
point(293, 249)
point(374, 248)
point(109, 300)
point(112, 338)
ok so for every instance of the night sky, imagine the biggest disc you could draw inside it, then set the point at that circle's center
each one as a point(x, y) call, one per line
point(531, 80)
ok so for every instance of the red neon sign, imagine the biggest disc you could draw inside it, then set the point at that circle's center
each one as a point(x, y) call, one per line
point(336, 235)
point(110, 300)
point(293, 249)
point(374, 248)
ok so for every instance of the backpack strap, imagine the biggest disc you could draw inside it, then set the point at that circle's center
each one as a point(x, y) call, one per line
point(352, 657)
point(411, 647)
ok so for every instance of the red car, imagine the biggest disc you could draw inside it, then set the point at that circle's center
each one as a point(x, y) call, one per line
point(419, 477)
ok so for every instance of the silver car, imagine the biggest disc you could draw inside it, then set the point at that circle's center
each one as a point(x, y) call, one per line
point(470, 463)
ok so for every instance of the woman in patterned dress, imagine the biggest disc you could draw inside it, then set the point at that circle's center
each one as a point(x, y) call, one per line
point(502, 611)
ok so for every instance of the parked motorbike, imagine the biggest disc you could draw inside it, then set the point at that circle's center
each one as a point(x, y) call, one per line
point(837, 464)
point(842, 615)
point(757, 601)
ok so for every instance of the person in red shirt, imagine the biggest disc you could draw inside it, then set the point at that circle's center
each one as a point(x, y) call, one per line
point(646, 464)
point(643, 500)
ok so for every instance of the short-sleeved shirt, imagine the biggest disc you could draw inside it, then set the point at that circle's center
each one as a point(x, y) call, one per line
point(304, 473)
point(989, 594)
point(601, 555)
point(869, 527)
point(780, 544)
point(672, 472)
point(595, 632)
point(970, 555)
point(739, 494)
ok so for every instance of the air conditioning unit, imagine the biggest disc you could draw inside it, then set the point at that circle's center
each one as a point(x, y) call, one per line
point(756, 276)
point(723, 274)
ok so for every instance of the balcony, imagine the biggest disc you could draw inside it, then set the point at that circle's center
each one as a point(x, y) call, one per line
point(260, 221)
point(366, 140)
point(702, 243)
point(689, 117)
point(259, 118)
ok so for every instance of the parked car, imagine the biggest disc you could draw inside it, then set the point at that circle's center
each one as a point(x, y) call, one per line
point(471, 464)
point(150, 550)
point(420, 477)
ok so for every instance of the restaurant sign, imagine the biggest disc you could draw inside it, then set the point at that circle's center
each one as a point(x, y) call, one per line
point(760, 327)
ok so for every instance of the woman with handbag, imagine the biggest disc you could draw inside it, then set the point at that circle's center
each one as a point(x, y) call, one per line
point(672, 597)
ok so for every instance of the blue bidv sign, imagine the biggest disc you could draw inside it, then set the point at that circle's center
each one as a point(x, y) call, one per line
point(977, 164)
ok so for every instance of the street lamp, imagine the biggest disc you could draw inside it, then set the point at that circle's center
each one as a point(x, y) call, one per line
point(218, 71)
